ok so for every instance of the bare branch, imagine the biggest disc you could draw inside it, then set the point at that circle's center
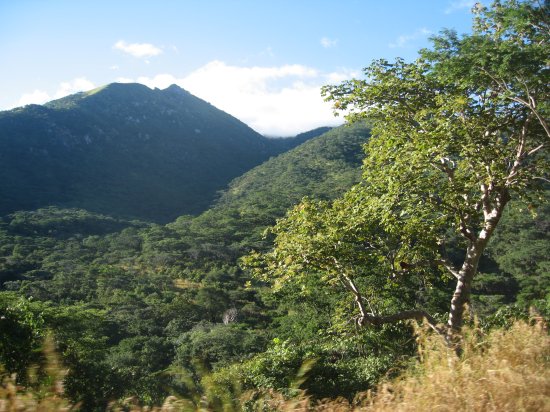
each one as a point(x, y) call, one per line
point(519, 152)
point(530, 103)
point(449, 266)
point(536, 149)
point(414, 314)
point(465, 230)
point(371, 318)
point(532, 106)
point(358, 299)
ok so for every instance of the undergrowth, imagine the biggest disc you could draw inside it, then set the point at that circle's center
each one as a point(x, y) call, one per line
point(504, 370)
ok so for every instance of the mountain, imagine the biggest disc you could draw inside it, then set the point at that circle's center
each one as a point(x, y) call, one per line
point(125, 150)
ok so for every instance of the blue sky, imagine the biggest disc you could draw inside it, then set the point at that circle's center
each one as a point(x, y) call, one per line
point(261, 61)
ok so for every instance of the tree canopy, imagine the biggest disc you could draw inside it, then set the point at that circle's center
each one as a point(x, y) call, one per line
point(456, 135)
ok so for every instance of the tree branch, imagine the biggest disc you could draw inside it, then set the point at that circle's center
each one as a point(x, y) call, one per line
point(536, 149)
point(519, 153)
point(449, 266)
point(414, 314)
point(371, 318)
point(530, 104)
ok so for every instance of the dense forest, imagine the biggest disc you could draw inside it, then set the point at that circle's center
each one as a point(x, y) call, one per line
point(303, 275)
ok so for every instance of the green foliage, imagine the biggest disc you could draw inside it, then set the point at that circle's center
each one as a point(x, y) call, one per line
point(140, 310)
point(128, 301)
point(215, 344)
point(116, 291)
point(528, 261)
point(456, 135)
point(322, 367)
point(21, 334)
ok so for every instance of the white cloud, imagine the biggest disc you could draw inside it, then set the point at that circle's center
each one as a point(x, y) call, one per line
point(79, 84)
point(114, 67)
point(36, 97)
point(137, 49)
point(460, 5)
point(340, 76)
point(277, 101)
point(405, 39)
point(65, 88)
point(328, 43)
point(162, 81)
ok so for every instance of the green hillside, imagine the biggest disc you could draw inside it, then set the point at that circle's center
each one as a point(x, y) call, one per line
point(322, 168)
point(125, 150)
point(129, 301)
point(147, 287)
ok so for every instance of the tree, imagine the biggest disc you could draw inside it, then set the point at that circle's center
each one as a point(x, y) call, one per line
point(456, 135)
point(21, 334)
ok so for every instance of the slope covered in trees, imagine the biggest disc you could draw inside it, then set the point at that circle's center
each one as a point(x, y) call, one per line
point(125, 150)
point(128, 300)
point(449, 208)
point(117, 292)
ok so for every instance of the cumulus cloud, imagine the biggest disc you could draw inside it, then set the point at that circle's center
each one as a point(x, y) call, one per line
point(460, 5)
point(328, 43)
point(341, 75)
point(36, 97)
point(79, 84)
point(64, 89)
point(140, 50)
point(405, 39)
point(276, 101)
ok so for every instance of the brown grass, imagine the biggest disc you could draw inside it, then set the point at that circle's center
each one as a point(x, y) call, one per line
point(504, 371)
point(507, 370)
point(45, 393)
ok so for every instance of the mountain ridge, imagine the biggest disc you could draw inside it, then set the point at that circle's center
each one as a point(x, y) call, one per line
point(125, 150)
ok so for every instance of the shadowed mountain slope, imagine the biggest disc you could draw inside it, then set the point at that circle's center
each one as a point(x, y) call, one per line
point(125, 150)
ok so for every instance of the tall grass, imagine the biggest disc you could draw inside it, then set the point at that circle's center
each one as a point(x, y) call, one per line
point(507, 370)
point(45, 390)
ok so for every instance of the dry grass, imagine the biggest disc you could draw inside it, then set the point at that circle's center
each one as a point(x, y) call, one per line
point(507, 370)
point(45, 395)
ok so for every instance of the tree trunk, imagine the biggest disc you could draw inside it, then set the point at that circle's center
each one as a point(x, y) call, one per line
point(467, 272)
point(462, 292)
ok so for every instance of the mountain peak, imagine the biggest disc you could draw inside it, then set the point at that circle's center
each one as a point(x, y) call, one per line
point(175, 88)
point(117, 91)
point(125, 150)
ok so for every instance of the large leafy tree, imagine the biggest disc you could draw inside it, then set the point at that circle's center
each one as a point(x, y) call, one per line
point(456, 135)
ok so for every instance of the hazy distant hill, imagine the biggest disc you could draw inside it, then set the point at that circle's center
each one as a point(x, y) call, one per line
point(125, 150)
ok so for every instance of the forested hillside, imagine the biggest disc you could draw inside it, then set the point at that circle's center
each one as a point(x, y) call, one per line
point(320, 273)
point(127, 151)
point(149, 296)
point(128, 300)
